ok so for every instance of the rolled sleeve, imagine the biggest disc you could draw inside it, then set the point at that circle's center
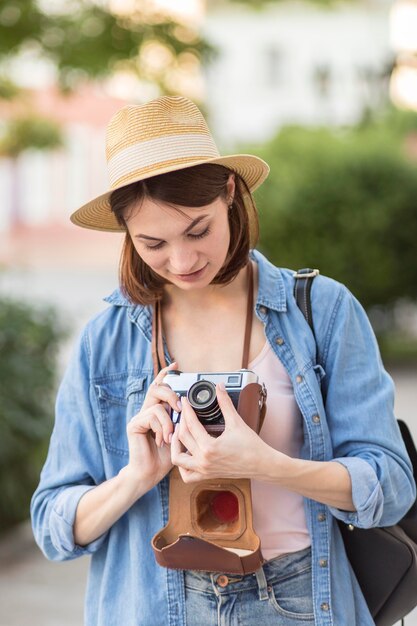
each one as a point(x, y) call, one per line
point(74, 464)
point(367, 494)
point(61, 523)
point(359, 398)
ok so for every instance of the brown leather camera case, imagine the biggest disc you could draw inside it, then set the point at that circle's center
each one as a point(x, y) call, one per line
point(196, 537)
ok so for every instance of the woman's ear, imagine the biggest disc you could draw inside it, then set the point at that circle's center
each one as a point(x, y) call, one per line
point(231, 186)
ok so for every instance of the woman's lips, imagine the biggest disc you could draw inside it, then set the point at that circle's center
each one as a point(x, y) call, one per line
point(192, 276)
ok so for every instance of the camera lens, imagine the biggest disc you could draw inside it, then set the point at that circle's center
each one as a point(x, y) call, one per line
point(202, 397)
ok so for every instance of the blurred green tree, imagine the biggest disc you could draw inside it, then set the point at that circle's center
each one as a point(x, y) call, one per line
point(84, 40)
point(346, 202)
point(29, 340)
point(89, 40)
point(24, 133)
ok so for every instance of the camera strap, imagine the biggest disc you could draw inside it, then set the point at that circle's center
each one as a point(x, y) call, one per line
point(158, 353)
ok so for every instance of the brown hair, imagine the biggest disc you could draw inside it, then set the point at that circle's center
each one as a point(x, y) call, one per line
point(195, 186)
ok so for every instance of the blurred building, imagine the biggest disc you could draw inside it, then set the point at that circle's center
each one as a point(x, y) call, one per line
point(295, 63)
point(43, 257)
point(41, 188)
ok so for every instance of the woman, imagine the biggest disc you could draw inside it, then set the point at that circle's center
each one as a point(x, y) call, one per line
point(190, 223)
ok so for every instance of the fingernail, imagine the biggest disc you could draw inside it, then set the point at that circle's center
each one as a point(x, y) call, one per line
point(221, 386)
point(170, 437)
point(179, 406)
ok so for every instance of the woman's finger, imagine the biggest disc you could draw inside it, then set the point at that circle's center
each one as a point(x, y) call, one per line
point(165, 421)
point(186, 437)
point(154, 418)
point(189, 476)
point(156, 428)
point(194, 426)
point(226, 405)
point(164, 371)
point(164, 393)
point(160, 392)
point(178, 456)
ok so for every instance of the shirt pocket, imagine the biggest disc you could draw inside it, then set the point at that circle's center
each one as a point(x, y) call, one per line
point(119, 398)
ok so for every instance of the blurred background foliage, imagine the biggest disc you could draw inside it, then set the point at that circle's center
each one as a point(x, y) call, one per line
point(345, 201)
point(29, 132)
point(88, 40)
point(29, 341)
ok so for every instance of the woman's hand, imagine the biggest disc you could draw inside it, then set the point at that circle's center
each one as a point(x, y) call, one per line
point(149, 432)
point(240, 453)
point(236, 453)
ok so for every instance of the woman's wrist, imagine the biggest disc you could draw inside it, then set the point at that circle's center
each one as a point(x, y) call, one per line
point(99, 508)
point(133, 483)
point(323, 481)
point(274, 466)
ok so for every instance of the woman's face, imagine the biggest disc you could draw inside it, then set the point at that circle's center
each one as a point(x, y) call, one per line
point(186, 247)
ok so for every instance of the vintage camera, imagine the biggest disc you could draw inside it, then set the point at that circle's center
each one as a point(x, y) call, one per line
point(210, 525)
point(200, 390)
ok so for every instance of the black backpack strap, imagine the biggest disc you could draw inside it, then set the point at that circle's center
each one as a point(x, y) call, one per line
point(302, 293)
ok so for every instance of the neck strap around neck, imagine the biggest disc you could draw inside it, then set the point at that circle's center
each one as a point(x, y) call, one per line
point(158, 355)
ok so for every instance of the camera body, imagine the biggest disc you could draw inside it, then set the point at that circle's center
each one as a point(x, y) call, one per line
point(200, 390)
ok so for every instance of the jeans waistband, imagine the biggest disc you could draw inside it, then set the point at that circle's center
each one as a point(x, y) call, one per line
point(274, 570)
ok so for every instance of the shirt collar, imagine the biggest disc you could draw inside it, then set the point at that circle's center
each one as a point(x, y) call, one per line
point(140, 315)
point(271, 287)
point(117, 298)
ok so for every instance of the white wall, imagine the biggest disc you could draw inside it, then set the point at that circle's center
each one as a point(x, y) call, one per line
point(264, 74)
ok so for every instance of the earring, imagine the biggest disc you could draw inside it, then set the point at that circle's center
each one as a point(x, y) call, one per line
point(230, 204)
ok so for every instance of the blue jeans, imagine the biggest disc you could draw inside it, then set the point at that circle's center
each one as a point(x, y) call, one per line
point(278, 594)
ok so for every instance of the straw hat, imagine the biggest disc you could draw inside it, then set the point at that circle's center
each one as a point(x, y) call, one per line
point(161, 136)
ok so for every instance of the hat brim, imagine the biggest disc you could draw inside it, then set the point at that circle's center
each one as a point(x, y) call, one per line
point(97, 214)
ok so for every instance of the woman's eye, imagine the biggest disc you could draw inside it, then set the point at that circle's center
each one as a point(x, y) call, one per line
point(205, 232)
point(157, 247)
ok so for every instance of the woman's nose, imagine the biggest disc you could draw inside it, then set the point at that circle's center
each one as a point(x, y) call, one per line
point(183, 261)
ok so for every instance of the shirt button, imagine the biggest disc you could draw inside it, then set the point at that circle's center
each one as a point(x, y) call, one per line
point(321, 517)
point(325, 606)
point(316, 419)
point(262, 310)
point(222, 580)
point(279, 341)
point(299, 379)
point(323, 562)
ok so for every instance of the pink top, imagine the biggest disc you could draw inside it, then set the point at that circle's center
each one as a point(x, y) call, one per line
point(278, 514)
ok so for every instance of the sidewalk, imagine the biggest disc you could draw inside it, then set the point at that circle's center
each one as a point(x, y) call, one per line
point(36, 592)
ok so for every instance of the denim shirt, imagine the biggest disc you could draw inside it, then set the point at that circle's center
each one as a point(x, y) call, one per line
point(346, 400)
